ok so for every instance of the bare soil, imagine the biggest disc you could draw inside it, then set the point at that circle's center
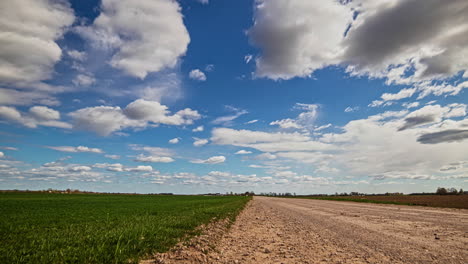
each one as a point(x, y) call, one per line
point(447, 201)
point(276, 230)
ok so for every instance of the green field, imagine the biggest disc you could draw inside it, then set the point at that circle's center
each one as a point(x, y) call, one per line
point(98, 228)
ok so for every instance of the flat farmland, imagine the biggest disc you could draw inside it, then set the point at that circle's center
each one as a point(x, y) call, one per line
point(446, 201)
point(98, 228)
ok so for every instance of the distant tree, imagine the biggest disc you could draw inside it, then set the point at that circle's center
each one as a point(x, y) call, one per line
point(441, 191)
point(452, 191)
point(461, 191)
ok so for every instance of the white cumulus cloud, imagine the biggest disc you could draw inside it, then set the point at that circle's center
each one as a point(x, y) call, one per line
point(403, 41)
point(198, 129)
point(37, 116)
point(145, 36)
point(76, 149)
point(305, 119)
point(297, 37)
point(211, 160)
point(243, 152)
point(139, 114)
point(29, 30)
point(154, 159)
point(174, 141)
point(200, 142)
point(198, 75)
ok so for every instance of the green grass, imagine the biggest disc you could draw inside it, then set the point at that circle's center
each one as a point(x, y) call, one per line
point(93, 228)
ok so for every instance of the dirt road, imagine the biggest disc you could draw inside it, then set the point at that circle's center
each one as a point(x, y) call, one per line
point(278, 230)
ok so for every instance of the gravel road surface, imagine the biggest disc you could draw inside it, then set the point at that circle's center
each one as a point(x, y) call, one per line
point(278, 230)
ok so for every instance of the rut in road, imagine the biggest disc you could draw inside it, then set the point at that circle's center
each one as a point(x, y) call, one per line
point(278, 230)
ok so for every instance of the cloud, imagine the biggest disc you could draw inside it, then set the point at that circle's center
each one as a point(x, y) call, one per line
point(154, 159)
point(304, 120)
point(29, 29)
point(117, 167)
point(401, 41)
point(198, 75)
point(251, 121)
point(375, 145)
point(286, 123)
point(219, 174)
point(15, 97)
point(44, 113)
point(165, 85)
point(37, 116)
point(211, 160)
point(450, 135)
point(102, 120)
point(198, 129)
point(366, 147)
point(266, 142)
point(428, 38)
point(266, 156)
point(427, 88)
point(112, 156)
point(174, 141)
point(144, 36)
point(76, 149)
point(209, 67)
point(350, 109)
point(417, 120)
point(297, 37)
point(248, 58)
point(411, 105)
point(388, 98)
point(9, 148)
point(432, 113)
point(228, 136)
point(79, 168)
point(322, 127)
point(77, 55)
point(204, 2)
point(243, 152)
point(154, 151)
point(139, 114)
point(404, 93)
point(9, 113)
point(83, 80)
point(139, 169)
point(200, 142)
point(227, 120)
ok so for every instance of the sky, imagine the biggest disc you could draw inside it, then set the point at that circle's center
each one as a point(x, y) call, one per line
point(198, 96)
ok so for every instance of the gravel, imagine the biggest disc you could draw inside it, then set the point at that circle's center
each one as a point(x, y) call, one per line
point(278, 230)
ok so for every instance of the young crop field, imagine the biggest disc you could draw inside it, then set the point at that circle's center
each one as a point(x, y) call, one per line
point(448, 201)
point(101, 228)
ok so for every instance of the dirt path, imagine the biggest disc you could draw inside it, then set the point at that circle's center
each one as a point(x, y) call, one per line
point(275, 230)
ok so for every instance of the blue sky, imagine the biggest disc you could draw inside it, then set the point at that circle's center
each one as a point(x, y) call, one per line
point(217, 96)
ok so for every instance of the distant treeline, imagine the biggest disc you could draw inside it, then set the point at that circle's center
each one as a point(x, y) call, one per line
point(439, 191)
point(76, 191)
